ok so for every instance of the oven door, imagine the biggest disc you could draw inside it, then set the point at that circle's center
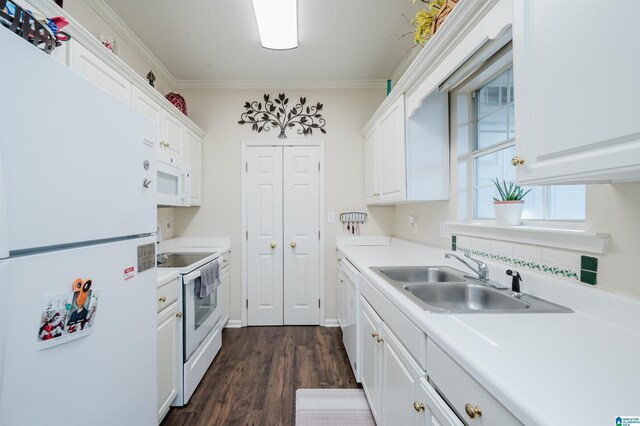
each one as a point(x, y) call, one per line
point(200, 315)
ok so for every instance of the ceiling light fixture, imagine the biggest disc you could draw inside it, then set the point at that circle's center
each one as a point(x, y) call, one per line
point(277, 23)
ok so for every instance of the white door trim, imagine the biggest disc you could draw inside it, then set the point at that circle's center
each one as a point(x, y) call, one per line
point(244, 217)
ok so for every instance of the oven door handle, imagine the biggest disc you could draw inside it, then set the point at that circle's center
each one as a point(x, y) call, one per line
point(192, 276)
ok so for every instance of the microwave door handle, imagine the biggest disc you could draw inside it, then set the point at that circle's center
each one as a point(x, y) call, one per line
point(191, 277)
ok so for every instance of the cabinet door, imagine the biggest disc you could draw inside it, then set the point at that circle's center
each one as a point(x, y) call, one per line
point(225, 282)
point(99, 73)
point(172, 140)
point(431, 409)
point(392, 154)
point(371, 355)
point(400, 376)
point(194, 149)
point(341, 286)
point(576, 110)
point(150, 109)
point(371, 166)
point(168, 359)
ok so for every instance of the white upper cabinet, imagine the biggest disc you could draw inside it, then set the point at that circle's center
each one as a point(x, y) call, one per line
point(194, 153)
point(172, 140)
point(99, 73)
point(392, 159)
point(150, 109)
point(576, 68)
point(371, 165)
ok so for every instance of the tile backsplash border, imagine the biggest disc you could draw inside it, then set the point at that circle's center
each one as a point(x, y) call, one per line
point(566, 264)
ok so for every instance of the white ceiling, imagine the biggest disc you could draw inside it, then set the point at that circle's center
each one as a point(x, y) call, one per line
point(340, 41)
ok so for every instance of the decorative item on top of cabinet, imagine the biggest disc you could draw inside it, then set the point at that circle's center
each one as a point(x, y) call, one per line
point(109, 42)
point(151, 78)
point(572, 127)
point(33, 27)
point(278, 113)
point(178, 101)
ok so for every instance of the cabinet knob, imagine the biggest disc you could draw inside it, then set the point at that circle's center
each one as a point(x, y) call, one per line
point(517, 161)
point(293, 244)
point(374, 334)
point(162, 298)
point(341, 281)
point(179, 314)
point(418, 406)
point(376, 194)
point(472, 411)
point(379, 339)
point(224, 261)
point(273, 245)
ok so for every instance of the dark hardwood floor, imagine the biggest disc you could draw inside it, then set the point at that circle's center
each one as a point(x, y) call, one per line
point(255, 375)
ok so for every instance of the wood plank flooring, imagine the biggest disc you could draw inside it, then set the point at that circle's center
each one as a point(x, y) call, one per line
point(255, 375)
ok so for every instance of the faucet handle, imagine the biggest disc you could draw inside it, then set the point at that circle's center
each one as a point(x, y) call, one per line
point(478, 262)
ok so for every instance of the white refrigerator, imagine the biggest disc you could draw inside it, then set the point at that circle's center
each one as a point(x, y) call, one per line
point(77, 249)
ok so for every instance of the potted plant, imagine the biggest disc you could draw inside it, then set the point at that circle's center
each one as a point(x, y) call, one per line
point(509, 208)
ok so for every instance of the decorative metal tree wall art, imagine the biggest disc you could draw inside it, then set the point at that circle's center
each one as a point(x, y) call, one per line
point(277, 113)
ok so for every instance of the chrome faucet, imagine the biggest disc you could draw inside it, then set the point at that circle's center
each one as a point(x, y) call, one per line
point(482, 270)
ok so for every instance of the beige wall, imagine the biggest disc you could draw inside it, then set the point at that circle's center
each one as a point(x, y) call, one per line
point(167, 215)
point(95, 24)
point(217, 112)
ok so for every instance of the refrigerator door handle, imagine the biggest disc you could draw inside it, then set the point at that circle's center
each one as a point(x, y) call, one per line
point(4, 225)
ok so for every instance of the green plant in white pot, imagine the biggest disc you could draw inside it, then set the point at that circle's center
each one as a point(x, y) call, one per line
point(509, 207)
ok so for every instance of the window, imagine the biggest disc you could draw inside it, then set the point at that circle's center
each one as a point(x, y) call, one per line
point(489, 120)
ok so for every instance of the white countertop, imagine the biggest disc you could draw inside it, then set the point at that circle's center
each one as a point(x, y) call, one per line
point(578, 368)
point(166, 275)
point(216, 246)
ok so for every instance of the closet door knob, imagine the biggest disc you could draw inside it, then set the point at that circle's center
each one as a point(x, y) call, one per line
point(293, 244)
point(273, 245)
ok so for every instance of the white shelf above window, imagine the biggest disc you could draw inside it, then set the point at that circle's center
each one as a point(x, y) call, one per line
point(582, 241)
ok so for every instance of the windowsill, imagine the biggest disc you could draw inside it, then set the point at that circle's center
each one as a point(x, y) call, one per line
point(569, 239)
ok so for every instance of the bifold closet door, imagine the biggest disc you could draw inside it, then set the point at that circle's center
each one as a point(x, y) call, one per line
point(301, 235)
point(265, 248)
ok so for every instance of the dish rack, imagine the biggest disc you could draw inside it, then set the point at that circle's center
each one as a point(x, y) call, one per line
point(351, 221)
point(42, 34)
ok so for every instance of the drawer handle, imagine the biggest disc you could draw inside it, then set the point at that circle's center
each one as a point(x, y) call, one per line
point(179, 314)
point(418, 406)
point(163, 298)
point(374, 334)
point(472, 411)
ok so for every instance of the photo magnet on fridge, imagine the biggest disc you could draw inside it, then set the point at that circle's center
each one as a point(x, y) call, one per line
point(68, 316)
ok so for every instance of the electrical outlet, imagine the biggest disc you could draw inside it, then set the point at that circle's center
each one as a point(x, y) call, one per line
point(444, 230)
point(412, 219)
point(167, 225)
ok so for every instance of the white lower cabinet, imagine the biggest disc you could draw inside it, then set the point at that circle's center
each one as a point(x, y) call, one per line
point(431, 408)
point(225, 282)
point(371, 357)
point(169, 362)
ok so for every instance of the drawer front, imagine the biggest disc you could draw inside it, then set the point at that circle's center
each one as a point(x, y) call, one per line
point(460, 389)
point(167, 294)
point(224, 260)
point(412, 338)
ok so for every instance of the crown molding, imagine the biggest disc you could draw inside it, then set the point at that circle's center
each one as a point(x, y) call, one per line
point(248, 84)
point(132, 39)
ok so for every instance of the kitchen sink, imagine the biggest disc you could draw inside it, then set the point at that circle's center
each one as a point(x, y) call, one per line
point(420, 274)
point(463, 297)
point(446, 290)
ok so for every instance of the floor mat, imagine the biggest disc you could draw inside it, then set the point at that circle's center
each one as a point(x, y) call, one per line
point(321, 407)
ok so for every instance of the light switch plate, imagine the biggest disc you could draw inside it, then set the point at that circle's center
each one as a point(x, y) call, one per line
point(444, 230)
point(331, 217)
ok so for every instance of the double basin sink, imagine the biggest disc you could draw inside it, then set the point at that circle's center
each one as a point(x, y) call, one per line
point(447, 290)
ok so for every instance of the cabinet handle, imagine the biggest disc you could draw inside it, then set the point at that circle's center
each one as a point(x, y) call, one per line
point(472, 411)
point(293, 244)
point(273, 245)
point(418, 406)
point(374, 334)
point(179, 314)
point(162, 298)
point(517, 161)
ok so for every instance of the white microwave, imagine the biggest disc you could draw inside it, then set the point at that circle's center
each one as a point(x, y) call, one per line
point(173, 185)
